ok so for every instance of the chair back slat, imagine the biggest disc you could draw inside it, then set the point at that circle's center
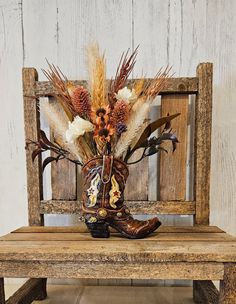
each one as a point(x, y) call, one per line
point(173, 165)
point(188, 85)
point(171, 186)
point(63, 176)
point(137, 184)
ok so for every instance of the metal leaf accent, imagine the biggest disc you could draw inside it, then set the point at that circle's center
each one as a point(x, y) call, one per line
point(153, 127)
point(152, 145)
point(44, 144)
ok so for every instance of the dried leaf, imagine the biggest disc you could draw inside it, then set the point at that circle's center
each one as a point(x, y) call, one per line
point(48, 160)
point(35, 153)
point(46, 140)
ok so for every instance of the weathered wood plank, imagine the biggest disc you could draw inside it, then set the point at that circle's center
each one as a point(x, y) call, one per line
point(205, 292)
point(228, 285)
point(63, 180)
point(136, 188)
point(136, 207)
point(123, 251)
point(82, 228)
point(2, 291)
point(63, 177)
point(32, 126)
point(202, 158)
point(33, 289)
point(186, 85)
point(156, 236)
point(116, 270)
point(173, 165)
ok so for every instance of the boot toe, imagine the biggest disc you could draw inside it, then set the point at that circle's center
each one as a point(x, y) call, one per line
point(154, 223)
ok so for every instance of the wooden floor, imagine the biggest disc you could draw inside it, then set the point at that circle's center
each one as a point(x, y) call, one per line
point(73, 294)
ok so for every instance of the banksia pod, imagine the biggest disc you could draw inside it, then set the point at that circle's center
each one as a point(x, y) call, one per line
point(120, 115)
point(81, 102)
point(120, 112)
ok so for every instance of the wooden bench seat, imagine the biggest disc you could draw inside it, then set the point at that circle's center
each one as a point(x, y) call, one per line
point(70, 252)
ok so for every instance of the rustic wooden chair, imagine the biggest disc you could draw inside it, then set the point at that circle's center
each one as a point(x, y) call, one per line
point(200, 252)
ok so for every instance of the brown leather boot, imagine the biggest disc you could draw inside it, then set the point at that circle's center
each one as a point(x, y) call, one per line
point(103, 200)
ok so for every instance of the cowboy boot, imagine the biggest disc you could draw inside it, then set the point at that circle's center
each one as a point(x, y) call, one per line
point(103, 200)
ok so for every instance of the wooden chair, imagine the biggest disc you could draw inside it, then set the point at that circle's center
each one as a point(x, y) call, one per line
point(201, 252)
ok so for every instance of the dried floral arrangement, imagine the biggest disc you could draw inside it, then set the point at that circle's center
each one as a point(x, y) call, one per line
point(105, 118)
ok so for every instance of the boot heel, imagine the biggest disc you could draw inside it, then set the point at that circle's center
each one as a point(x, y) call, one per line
point(99, 229)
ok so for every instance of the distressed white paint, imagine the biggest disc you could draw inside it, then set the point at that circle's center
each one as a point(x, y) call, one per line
point(177, 32)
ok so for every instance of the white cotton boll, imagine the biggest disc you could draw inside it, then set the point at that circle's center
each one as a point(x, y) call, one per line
point(77, 128)
point(126, 95)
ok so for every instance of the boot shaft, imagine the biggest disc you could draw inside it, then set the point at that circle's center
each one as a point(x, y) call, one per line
point(104, 184)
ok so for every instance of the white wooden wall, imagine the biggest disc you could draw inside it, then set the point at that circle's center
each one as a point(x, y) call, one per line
point(177, 32)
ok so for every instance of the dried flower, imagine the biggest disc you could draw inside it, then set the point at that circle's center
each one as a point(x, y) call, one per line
point(77, 128)
point(102, 117)
point(121, 128)
point(105, 133)
point(81, 101)
point(126, 95)
point(120, 113)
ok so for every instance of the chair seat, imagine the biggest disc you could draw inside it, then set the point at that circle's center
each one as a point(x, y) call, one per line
point(70, 252)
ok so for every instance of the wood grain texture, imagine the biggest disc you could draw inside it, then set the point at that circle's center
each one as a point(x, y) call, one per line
point(228, 285)
point(12, 152)
point(160, 236)
point(32, 127)
point(2, 291)
point(115, 270)
point(119, 250)
point(173, 165)
point(136, 207)
point(205, 292)
point(186, 85)
point(63, 176)
point(202, 161)
point(33, 289)
point(82, 228)
point(136, 188)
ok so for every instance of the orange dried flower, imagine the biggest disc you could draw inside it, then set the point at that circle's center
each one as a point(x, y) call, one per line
point(104, 133)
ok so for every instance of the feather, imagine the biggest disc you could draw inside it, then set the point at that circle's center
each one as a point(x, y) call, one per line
point(140, 111)
point(124, 69)
point(60, 84)
point(58, 122)
point(56, 118)
point(134, 126)
point(97, 77)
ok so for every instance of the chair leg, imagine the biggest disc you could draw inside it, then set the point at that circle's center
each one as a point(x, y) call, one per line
point(205, 292)
point(33, 289)
point(228, 285)
point(43, 290)
point(2, 292)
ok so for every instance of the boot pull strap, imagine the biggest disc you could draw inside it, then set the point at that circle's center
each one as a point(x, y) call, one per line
point(106, 168)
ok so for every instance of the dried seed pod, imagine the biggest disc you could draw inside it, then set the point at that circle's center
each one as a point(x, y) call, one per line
point(81, 101)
